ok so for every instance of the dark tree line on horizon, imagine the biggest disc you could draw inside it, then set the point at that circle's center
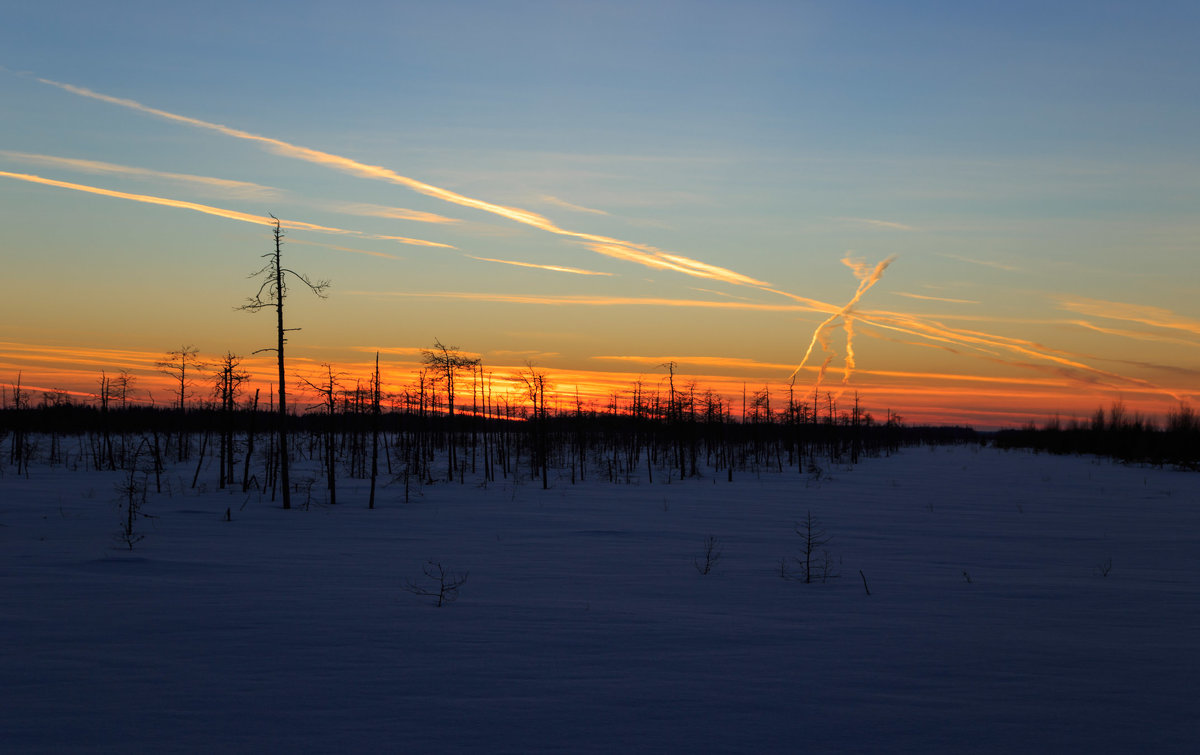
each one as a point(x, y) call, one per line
point(413, 437)
point(1117, 434)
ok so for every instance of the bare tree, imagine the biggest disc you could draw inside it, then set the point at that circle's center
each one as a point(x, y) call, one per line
point(448, 361)
point(328, 392)
point(535, 386)
point(375, 411)
point(180, 365)
point(271, 294)
point(177, 366)
point(445, 584)
point(227, 385)
point(105, 396)
point(123, 386)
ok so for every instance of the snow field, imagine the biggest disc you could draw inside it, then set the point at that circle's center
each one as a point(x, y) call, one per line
point(1018, 602)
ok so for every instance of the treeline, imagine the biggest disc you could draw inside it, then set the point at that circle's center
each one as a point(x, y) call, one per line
point(422, 443)
point(1117, 434)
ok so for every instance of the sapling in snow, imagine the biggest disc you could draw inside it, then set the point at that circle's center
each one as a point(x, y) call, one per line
point(132, 492)
point(443, 584)
point(810, 565)
point(712, 555)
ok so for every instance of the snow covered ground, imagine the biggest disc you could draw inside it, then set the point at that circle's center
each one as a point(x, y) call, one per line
point(1017, 603)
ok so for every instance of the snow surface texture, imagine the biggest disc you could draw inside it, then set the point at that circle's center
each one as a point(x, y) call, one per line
point(1017, 603)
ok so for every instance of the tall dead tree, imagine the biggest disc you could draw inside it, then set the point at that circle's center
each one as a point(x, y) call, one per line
point(272, 293)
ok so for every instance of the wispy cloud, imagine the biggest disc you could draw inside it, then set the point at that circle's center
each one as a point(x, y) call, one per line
point(650, 257)
point(714, 292)
point(1137, 335)
point(406, 351)
point(552, 268)
point(222, 186)
point(1142, 314)
point(881, 224)
point(639, 253)
point(522, 354)
point(382, 211)
point(352, 250)
point(736, 363)
point(984, 263)
point(548, 199)
point(336, 162)
point(41, 353)
point(983, 344)
point(923, 297)
point(993, 347)
point(586, 301)
point(244, 217)
point(405, 240)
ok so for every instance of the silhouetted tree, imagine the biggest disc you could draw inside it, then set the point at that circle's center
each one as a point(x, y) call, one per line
point(226, 387)
point(272, 293)
point(328, 392)
point(375, 411)
point(178, 366)
point(535, 386)
point(447, 362)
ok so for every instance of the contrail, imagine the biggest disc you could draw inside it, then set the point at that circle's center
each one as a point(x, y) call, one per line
point(227, 187)
point(642, 254)
point(1068, 364)
point(220, 212)
point(393, 213)
point(881, 223)
point(848, 326)
point(1143, 314)
point(569, 206)
point(1137, 335)
point(337, 162)
point(639, 253)
point(553, 268)
point(923, 297)
point(867, 278)
point(586, 300)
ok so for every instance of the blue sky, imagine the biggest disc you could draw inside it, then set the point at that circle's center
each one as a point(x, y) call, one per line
point(1031, 166)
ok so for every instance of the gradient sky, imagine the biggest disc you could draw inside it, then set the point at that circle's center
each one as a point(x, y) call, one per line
point(604, 187)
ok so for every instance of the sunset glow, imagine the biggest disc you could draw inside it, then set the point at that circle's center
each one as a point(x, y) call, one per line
point(936, 216)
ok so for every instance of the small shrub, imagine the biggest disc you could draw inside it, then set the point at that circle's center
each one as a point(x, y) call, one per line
point(712, 555)
point(810, 565)
point(444, 585)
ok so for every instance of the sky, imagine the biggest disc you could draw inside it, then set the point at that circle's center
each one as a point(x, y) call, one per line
point(979, 213)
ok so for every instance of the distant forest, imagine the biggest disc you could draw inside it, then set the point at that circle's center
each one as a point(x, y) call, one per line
point(1117, 434)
